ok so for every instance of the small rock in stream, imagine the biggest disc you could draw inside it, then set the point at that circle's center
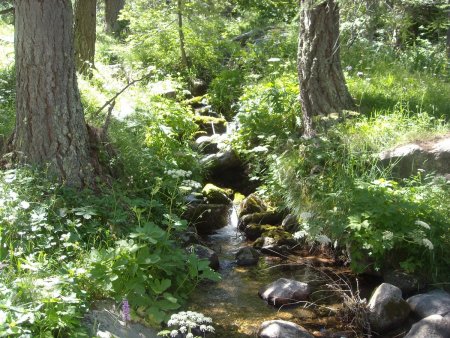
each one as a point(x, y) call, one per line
point(247, 256)
point(285, 291)
point(282, 329)
point(204, 252)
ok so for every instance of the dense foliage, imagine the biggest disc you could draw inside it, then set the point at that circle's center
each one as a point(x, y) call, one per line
point(60, 249)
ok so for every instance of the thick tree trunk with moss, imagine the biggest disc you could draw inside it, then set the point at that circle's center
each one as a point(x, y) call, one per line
point(323, 90)
point(50, 127)
point(112, 11)
point(85, 35)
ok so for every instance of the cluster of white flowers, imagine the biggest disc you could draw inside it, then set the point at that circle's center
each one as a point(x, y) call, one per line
point(427, 243)
point(388, 235)
point(188, 320)
point(422, 224)
point(189, 185)
point(300, 234)
point(178, 173)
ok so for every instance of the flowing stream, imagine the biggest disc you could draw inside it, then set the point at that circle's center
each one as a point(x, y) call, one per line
point(234, 304)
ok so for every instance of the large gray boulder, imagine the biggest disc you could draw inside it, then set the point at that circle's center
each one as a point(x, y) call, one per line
point(434, 326)
point(282, 329)
point(387, 309)
point(436, 302)
point(285, 291)
point(430, 155)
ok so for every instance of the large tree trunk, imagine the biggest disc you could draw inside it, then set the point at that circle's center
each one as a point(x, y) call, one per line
point(112, 10)
point(50, 126)
point(323, 90)
point(85, 34)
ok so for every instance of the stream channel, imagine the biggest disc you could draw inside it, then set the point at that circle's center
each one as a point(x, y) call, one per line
point(237, 310)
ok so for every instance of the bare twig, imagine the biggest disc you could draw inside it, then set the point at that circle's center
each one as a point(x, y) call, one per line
point(107, 103)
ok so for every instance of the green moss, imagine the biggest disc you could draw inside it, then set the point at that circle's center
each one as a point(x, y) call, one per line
point(216, 195)
point(251, 204)
point(204, 119)
point(195, 101)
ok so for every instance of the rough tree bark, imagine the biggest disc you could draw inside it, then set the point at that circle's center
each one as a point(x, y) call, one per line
point(85, 35)
point(50, 127)
point(112, 10)
point(322, 84)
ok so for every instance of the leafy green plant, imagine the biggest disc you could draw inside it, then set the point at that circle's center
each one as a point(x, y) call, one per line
point(146, 268)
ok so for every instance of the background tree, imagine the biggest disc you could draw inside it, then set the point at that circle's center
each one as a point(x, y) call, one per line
point(112, 11)
point(85, 34)
point(323, 90)
point(50, 126)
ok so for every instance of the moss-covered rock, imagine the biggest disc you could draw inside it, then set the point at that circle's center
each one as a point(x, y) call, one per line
point(275, 241)
point(266, 217)
point(216, 195)
point(251, 204)
point(196, 102)
point(207, 217)
point(253, 231)
point(212, 125)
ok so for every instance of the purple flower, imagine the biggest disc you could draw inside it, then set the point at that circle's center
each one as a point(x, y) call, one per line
point(126, 311)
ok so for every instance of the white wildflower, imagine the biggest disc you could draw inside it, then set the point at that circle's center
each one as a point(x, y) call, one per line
point(183, 329)
point(174, 333)
point(422, 224)
point(427, 243)
point(203, 328)
point(189, 335)
point(13, 195)
point(24, 205)
point(388, 235)
point(299, 234)
point(209, 328)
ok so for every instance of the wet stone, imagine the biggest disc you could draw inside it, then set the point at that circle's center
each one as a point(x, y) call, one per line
point(285, 291)
point(282, 329)
point(247, 256)
point(251, 204)
point(204, 252)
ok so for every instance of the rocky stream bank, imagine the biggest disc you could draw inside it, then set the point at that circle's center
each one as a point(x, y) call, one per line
point(274, 285)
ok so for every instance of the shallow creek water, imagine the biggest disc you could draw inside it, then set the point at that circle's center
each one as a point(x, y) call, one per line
point(234, 304)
